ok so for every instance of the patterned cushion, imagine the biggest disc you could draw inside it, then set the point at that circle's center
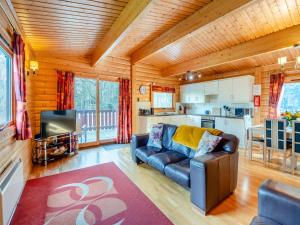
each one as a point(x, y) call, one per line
point(155, 136)
point(207, 143)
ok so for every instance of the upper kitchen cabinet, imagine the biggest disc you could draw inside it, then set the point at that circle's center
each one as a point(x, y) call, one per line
point(236, 90)
point(229, 90)
point(192, 93)
point(225, 91)
point(211, 87)
point(242, 89)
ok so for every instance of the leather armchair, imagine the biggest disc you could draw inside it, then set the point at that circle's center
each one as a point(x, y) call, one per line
point(277, 204)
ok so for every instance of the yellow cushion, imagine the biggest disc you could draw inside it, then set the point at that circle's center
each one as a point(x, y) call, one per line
point(190, 136)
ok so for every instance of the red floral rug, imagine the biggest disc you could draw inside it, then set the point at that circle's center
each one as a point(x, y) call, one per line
point(100, 194)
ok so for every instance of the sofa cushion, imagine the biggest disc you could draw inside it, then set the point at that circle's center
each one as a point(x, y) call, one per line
point(259, 220)
point(168, 132)
point(179, 172)
point(143, 153)
point(160, 160)
point(180, 149)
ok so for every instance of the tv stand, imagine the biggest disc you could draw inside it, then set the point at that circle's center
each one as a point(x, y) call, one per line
point(55, 147)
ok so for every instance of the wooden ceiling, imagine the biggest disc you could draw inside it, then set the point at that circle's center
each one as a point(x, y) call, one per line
point(67, 27)
point(87, 28)
point(164, 15)
point(259, 18)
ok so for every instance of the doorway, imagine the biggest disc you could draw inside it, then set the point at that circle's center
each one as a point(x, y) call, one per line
point(97, 107)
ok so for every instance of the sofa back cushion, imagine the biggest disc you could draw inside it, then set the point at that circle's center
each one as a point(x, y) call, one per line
point(168, 143)
point(181, 149)
point(168, 132)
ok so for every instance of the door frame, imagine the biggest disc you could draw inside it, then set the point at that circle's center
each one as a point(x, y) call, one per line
point(98, 142)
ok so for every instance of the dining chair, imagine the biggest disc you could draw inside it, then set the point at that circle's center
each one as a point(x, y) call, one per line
point(295, 144)
point(276, 139)
point(250, 138)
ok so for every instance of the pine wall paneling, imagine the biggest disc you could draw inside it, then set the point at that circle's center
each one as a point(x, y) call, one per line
point(10, 149)
point(147, 75)
point(45, 83)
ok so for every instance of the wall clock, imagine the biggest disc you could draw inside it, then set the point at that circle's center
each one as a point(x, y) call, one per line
point(143, 90)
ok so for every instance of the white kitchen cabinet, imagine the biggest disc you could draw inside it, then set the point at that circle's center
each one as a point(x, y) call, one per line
point(211, 87)
point(192, 93)
point(184, 94)
point(232, 126)
point(242, 89)
point(229, 90)
point(225, 91)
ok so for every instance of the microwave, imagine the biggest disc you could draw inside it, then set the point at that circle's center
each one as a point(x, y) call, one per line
point(240, 112)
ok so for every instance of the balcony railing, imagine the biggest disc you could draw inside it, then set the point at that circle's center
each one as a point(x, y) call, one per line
point(108, 124)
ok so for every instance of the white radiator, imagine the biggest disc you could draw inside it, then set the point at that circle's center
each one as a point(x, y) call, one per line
point(11, 187)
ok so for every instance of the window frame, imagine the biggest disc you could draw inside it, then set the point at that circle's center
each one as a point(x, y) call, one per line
point(173, 109)
point(288, 81)
point(4, 46)
point(166, 108)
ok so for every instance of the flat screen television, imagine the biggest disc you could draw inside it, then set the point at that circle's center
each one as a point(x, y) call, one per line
point(57, 122)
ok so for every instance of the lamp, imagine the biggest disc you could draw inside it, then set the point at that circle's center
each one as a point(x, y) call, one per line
point(282, 61)
point(297, 64)
point(33, 66)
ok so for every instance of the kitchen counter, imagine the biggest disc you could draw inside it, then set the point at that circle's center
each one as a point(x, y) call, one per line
point(207, 115)
point(175, 114)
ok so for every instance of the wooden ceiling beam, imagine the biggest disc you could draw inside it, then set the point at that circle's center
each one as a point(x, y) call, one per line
point(134, 11)
point(270, 43)
point(198, 20)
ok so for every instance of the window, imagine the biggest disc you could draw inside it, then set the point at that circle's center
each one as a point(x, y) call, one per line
point(290, 98)
point(162, 100)
point(5, 87)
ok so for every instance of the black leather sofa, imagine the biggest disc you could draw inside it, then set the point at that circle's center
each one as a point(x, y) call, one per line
point(278, 204)
point(210, 178)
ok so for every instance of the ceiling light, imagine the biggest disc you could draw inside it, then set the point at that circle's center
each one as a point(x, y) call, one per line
point(190, 77)
point(282, 60)
point(297, 64)
point(199, 75)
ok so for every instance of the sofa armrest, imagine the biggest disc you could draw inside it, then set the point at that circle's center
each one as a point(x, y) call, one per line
point(279, 202)
point(138, 140)
point(213, 178)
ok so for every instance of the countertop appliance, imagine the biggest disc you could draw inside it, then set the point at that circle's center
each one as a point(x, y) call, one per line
point(208, 122)
point(240, 112)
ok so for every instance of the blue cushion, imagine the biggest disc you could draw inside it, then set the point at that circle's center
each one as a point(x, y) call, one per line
point(260, 220)
point(160, 160)
point(143, 153)
point(168, 133)
point(181, 149)
point(179, 172)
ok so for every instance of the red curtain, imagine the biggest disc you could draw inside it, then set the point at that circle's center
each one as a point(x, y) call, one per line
point(23, 127)
point(276, 84)
point(65, 90)
point(124, 131)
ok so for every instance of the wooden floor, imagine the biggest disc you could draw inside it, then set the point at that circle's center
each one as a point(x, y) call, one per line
point(173, 200)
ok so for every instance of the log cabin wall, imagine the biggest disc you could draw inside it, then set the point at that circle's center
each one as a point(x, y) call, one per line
point(45, 83)
point(9, 147)
point(146, 75)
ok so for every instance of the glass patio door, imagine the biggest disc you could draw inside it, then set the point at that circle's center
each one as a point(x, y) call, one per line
point(97, 106)
point(86, 109)
point(109, 110)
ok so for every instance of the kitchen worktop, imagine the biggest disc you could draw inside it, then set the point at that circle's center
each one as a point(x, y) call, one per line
point(207, 115)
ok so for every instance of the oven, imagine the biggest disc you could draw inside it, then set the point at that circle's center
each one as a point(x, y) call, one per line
point(208, 122)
